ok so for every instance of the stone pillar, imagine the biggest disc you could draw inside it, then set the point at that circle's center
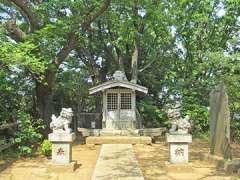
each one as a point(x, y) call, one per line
point(62, 151)
point(219, 123)
point(178, 147)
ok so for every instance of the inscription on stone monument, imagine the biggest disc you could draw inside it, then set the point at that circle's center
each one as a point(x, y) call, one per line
point(60, 151)
point(179, 152)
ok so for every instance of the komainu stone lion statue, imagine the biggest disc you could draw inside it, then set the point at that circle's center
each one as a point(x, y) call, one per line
point(179, 125)
point(61, 123)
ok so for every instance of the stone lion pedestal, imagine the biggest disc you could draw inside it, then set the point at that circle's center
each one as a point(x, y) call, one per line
point(178, 153)
point(62, 139)
point(178, 147)
point(62, 152)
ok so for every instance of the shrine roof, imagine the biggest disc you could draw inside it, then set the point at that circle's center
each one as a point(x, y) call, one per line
point(118, 83)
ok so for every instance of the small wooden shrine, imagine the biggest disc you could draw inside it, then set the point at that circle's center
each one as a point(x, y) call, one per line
point(119, 102)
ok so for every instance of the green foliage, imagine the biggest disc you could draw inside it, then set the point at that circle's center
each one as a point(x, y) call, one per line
point(235, 130)
point(46, 148)
point(28, 134)
point(199, 116)
point(25, 150)
point(152, 115)
point(204, 136)
point(22, 54)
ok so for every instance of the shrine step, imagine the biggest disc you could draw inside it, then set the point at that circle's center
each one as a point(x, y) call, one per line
point(118, 140)
point(152, 132)
point(108, 132)
point(126, 132)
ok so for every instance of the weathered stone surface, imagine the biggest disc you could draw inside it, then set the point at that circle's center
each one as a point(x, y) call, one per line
point(61, 123)
point(116, 132)
point(152, 132)
point(62, 168)
point(179, 125)
point(62, 148)
point(178, 153)
point(178, 168)
point(61, 137)
point(118, 140)
point(238, 172)
point(117, 161)
point(232, 166)
point(220, 123)
point(178, 147)
point(61, 153)
point(183, 138)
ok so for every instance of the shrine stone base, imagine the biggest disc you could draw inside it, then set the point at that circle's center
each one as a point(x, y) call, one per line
point(62, 168)
point(178, 168)
point(118, 140)
point(62, 151)
point(178, 147)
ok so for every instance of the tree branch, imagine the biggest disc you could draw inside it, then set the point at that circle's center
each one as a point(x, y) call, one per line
point(11, 14)
point(148, 65)
point(68, 47)
point(73, 40)
point(32, 17)
point(135, 57)
point(14, 32)
point(86, 24)
point(159, 54)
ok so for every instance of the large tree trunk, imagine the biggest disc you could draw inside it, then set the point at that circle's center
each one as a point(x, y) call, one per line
point(135, 56)
point(100, 78)
point(44, 104)
point(44, 97)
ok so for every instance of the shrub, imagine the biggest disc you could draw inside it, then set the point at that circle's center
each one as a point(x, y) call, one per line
point(46, 148)
point(25, 150)
point(153, 116)
point(199, 116)
point(28, 134)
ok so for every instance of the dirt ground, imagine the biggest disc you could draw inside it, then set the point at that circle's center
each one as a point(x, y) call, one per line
point(35, 168)
point(152, 161)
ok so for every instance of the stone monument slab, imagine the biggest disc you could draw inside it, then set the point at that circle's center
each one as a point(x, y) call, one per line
point(220, 123)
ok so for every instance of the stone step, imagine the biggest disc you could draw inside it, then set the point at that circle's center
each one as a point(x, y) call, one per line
point(152, 132)
point(130, 132)
point(118, 140)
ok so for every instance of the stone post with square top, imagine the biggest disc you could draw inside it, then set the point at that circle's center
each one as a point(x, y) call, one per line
point(61, 147)
point(62, 139)
point(178, 147)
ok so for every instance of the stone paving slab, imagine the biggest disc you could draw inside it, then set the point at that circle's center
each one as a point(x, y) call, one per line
point(117, 162)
